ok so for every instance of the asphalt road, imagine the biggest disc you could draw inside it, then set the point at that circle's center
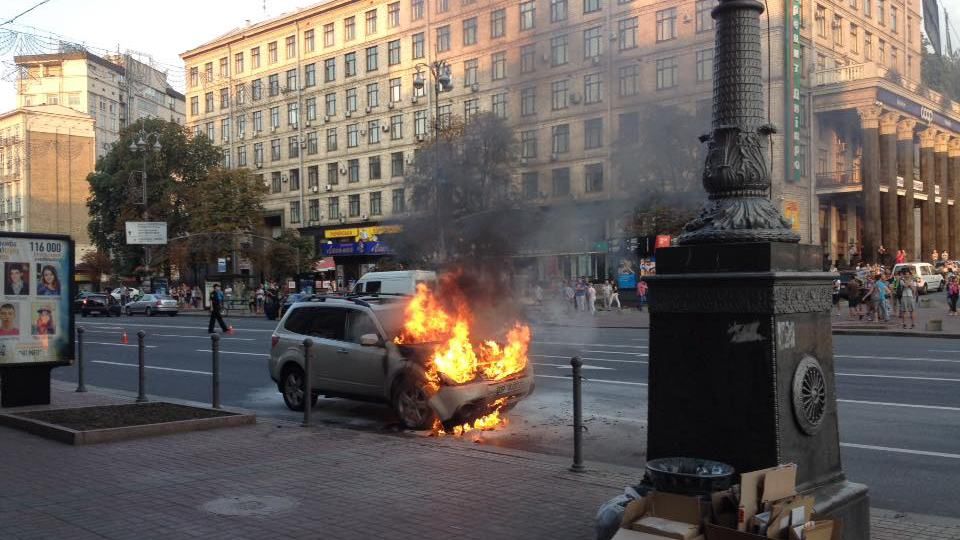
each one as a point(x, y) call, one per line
point(898, 397)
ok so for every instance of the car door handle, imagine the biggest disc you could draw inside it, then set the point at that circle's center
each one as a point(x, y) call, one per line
point(341, 350)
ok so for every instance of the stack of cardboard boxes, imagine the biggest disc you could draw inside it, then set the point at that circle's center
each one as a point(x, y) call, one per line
point(764, 505)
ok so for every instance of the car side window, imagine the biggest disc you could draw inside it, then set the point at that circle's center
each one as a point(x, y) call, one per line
point(358, 324)
point(325, 323)
point(373, 287)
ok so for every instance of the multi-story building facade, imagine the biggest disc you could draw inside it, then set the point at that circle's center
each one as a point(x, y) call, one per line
point(321, 104)
point(46, 153)
point(115, 91)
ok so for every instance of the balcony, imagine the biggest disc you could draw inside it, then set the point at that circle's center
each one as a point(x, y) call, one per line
point(849, 178)
point(871, 70)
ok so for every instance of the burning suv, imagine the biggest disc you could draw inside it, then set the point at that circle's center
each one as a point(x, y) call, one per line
point(404, 351)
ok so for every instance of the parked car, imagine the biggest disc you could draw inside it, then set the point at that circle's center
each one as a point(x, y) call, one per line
point(354, 356)
point(398, 282)
point(151, 304)
point(117, 293)
point(928, 279)
point(96, 304)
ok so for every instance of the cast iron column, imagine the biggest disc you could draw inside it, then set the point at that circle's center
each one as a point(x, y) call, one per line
point(942, 176)
point(928, 221)
point(905, 164)
point(870, 131)
point(888, 175)
point(954, 211)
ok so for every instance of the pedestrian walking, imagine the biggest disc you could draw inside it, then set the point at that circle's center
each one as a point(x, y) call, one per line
point(216, 308)
point(581, 295)
point(615, 297)
point(592, 298)
point(606, 291)
point(836, 295)
point(882, 287)
point(570, 295)
point(901, 256)
point(953, 292)
point(908, 303)
point(853, 297)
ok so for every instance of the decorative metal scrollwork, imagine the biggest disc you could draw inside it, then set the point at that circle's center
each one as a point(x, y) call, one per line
point(809, 395)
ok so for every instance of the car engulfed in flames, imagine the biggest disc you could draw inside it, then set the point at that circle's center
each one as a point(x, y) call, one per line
point(471, 382)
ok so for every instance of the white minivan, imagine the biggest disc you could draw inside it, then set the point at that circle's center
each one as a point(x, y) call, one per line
point(927, 278)
point(397, 282)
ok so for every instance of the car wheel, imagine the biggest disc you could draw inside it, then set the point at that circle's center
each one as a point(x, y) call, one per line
point(128, 311)
point(147, 312)
point(411, 403)
point(292, 388)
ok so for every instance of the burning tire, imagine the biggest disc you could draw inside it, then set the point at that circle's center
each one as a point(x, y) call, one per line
point(411, 402)
point(291, 386)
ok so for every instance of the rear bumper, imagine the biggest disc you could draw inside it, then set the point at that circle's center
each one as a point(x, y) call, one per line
point(165, 309)
point(463, 403)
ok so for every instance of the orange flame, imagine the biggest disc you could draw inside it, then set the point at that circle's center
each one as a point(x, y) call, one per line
point(489, 422)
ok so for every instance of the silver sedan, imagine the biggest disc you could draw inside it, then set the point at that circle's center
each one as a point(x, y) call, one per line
point(151, 304)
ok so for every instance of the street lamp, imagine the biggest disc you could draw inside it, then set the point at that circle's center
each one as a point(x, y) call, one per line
point(141, 145)
point(442, 82)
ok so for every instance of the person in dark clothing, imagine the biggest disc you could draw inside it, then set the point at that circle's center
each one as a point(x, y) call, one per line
point(216, 308)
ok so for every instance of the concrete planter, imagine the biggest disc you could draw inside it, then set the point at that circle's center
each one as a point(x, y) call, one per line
point(934, 325)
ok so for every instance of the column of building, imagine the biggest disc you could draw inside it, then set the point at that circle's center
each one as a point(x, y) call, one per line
point(928, 215)
point(942, 179)
point(953, 153)
point(888, 175)
point(870, 129)
point(905, 166)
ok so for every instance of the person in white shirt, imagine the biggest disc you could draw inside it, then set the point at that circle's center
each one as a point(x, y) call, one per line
point(592, 299)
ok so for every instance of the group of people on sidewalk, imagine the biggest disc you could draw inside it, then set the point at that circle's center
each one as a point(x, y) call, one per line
point(582, 295)
point(876, 294)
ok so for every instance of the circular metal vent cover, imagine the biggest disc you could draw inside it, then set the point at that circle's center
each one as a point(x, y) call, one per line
point(809, 395)
point(250, 505)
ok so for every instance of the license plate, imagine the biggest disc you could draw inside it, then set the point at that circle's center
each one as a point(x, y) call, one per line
point(506, 389)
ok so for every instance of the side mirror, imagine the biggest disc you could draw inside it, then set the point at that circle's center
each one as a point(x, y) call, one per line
point(369, 340)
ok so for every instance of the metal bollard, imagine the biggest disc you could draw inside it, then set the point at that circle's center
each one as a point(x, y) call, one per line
point(80, 386)
point(142, 390)
point(307, 390)
point(577, 466)
point(215, 347)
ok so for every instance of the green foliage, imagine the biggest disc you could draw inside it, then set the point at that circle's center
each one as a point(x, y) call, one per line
point(941, 73)
point(287, 255)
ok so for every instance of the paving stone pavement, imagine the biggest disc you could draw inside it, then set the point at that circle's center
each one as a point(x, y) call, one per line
point(278, 480)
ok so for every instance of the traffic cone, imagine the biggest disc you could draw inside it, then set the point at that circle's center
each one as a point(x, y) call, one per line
point(123, 338)
point(230, 330)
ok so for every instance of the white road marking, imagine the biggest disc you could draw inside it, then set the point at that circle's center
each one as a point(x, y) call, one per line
point(905, 377)
point(903, 358)
point(590, 344)
point(235, 352)
point(618, 352)
point(195, 327)
point(119, 344)
point(900, 450)
point(605, 381)
point(944, 350)
point(152, 367)
point(592, 359)
point(207, 337)
point(907, 405)
point(562, 366)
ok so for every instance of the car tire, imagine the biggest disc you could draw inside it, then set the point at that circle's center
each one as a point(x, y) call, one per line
point(148, 312)
point(410, 401)
point(291, 386)
point(128, 311)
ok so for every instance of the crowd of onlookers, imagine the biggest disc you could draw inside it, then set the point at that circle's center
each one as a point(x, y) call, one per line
point(875, 293)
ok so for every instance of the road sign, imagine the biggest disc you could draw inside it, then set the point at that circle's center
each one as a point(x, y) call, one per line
point(146, 232)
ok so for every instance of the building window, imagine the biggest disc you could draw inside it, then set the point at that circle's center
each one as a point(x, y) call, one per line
point(310, 75)
point(881, 12)
point(353, 172)
point(867, 46)
point(395, 90)
point(881, 52)
point(396, 164)
point(592, 88)
point(528, 144)
point(591, 42)
point(273, 85)
point(666, 24)
point(470, 31)
point(558, 95)
point(272, 52)
point(293, 148)
point(276, 182)
point(373, 95)
point(208, 102)
point(312, 146)
point(275, 150)
point(330, 104)
point(443, 6)
point(291, 80)
point(704, 19)
point(444, 116)
point(241, 156)
point(333, 208)
point(443, 39)
point(313, 209)
point(498, 66)
point(349, 29)
point(420, 123)
point(531, 185)
point(291, 47)
point(330, 70)
point(396, 127)
point(821, 17)
point(373, 132)
point(258, 154)
point(295, 212)
point(257, 121)
point(353, 135)
point(498, 23)
point(593, 176)
point(499, 104)
point(371, 20)
point(416, 10)
point(256, 89)
point(241, 125)
point(704, 65)
point(854, 38)
point(194, 77)
point(837, 28)
point(399, 201)
point(528, 101)
point(560, 136)
point(417, 45)
point(593, 133)
point(591, 6)
point(558, 50)
point(255, 57)
point(238, 62)
point(195, 105)
point(393, 52)
point(558, 10)
point(309, 45)
point(350, 64)
point(208, 72)
point(331, 139)
point(528, 58)
point(393, 15)
point(225, 129)
point(560, 180)
point(328, 36)
point(373, 61)
point(373, 167)
point(667, 72)
point(274, 117)
point(528, 14)
point(376, 206)
point(629, 80)
point(893, 19)
point(470, 72)
point(294, 179)
point(470, 108)
point(627, 33)
point(333, 175)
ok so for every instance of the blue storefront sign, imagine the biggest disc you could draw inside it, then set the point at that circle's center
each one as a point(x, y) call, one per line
point(356, 248)
point(912, 107)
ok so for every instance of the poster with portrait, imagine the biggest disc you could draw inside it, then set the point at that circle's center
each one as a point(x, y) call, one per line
point(36, 323)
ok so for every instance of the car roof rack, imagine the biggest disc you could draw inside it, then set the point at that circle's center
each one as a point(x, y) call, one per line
point(325, 297)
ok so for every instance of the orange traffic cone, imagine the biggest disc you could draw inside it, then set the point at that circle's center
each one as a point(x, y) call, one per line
point(230, 330)
point(123, 338)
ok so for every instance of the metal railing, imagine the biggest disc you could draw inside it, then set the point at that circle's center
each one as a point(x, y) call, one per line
point(869, 70)
point(849, 177)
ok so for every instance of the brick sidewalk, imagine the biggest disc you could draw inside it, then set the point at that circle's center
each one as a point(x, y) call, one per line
point(278, 480)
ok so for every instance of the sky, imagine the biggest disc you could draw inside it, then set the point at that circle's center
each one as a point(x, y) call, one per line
point(161, 29)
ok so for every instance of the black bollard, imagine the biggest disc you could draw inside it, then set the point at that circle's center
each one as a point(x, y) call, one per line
point(142, 390)
point(81, 387)
point(215, 347)
point(307, 390)
point(577, 466)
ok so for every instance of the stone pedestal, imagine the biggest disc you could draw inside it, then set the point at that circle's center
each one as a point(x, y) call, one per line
point(741, 367)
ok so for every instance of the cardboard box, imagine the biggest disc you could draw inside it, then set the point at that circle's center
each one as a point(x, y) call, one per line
point(667, 528)
point(628, 534)
point(763, 486)
point(683, 508)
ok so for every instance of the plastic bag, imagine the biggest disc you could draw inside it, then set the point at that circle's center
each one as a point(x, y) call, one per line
point(610, 513)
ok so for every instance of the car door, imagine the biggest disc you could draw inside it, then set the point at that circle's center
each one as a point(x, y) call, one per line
point(363, 369)
point(326, 326)
point(143, 302)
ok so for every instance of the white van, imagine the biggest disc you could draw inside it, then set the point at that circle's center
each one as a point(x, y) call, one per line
point(398, 282)
point(928, 279)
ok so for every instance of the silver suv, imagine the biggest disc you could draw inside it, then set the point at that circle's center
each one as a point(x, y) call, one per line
point(354, 356)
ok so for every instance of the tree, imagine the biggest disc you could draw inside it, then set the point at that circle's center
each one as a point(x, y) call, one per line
point(940, 73)
point(96, 264)
point(461, 178)
point(287, 255)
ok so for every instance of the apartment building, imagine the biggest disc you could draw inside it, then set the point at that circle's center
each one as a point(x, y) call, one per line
point(46, 153)
point(321, 105)
point(115, 90)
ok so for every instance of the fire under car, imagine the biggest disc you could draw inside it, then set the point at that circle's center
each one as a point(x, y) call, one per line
point(355, 355)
